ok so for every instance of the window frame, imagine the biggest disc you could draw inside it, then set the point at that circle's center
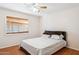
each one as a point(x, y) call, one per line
point(8, 32)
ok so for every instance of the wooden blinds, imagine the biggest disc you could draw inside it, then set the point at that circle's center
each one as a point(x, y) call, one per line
point(17, 20)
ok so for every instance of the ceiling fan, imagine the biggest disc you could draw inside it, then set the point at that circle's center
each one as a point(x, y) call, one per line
point(39, 7)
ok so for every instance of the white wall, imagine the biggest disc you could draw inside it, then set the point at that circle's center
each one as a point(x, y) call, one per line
point(67, 20)
point(7, 40)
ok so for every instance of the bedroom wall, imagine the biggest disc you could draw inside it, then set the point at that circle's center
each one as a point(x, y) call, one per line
point(7, 40)
point(65, 20)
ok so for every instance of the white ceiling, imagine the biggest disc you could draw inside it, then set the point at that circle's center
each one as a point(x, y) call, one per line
point(26, 8)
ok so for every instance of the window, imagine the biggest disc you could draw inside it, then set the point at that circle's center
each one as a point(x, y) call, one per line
point(16, 25)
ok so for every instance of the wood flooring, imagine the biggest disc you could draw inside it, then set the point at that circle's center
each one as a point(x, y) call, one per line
point(15, 50)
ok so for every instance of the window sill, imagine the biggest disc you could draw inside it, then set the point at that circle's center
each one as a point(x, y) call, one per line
point(17, 32)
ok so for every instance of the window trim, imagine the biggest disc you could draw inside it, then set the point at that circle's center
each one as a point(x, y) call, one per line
point(17, 32)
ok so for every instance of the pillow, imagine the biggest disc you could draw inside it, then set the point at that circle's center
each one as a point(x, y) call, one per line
point(55, 37)
point(59, 37)
point(46, 36)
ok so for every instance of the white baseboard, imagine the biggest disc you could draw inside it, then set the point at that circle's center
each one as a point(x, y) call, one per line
point(73, 48)
point(8, 46)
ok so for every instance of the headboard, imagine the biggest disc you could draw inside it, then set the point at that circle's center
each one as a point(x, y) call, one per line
point(56, 32)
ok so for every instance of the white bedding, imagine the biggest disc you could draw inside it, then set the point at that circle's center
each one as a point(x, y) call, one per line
point(42, 46)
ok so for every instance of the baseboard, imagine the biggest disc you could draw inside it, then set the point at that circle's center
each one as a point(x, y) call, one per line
point(73, 48)
point(8, 46)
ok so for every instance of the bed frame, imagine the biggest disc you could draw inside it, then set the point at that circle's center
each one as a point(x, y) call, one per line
point(48, 33)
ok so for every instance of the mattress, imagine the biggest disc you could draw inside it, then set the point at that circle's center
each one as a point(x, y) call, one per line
point(42, 46)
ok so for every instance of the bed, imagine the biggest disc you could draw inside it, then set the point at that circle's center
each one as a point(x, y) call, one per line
point(44, 45)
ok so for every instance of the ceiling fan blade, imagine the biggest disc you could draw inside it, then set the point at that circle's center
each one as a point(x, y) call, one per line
point(44, 7)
